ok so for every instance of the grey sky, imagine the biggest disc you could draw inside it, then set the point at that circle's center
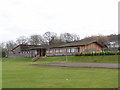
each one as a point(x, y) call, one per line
point(82, 17)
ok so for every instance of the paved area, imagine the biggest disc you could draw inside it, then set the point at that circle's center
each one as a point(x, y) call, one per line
point(83, 65)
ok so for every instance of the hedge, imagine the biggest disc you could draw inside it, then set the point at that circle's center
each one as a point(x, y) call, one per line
point(97, 53)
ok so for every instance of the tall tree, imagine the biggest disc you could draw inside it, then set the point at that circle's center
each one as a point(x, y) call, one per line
point(50, 37)
point(76, 37)
point(36, 40)
point(10, 45)
point(68, 37)
point(2, 45)
point(22, 40)
point(101, 39)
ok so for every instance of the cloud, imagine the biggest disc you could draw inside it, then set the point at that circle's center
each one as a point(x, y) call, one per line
point(84, 17)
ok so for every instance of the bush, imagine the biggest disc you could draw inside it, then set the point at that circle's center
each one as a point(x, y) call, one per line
point(97, 53)
point(118, 53)
point(76, 54)
point(88, 54)
point(79, 54)
point(2, 54)
point(102, 53)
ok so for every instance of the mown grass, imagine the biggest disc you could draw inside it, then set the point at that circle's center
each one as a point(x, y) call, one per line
point(81, 59)
point(0, 73)
point(19, 73)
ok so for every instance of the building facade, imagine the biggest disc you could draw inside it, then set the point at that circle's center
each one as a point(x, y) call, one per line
point(114, 46)
point(58, 50)
point(71, 50)
point(23, 51)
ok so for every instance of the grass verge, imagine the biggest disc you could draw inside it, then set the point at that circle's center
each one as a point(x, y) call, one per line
point(79, 59)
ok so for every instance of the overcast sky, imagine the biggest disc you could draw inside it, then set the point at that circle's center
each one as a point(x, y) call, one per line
point(82, 17)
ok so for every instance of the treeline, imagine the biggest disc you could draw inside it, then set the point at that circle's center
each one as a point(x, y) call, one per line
point(48, 38)
point(51, 38)
point(104, 39)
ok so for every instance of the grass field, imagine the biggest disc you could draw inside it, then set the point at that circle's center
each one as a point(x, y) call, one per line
point(19, 73)
point(83, 59)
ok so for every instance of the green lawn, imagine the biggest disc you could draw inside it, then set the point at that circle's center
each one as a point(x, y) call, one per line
point(82, 59)
point(18, 73)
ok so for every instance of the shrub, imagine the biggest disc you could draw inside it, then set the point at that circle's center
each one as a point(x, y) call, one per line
point(76, 54)
point(118, 53)
point(97, 53)
point(88, 54)
point(79, 54)
point(2, 54)
point(102, 53)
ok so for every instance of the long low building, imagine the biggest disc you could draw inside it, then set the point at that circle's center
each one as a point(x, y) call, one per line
point(56, 50)
point(75, 47)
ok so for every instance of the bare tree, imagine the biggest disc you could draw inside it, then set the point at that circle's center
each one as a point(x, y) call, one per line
point(49, 37)
point(76, 37)
point(2, 45)
point(36, 40)
point(101, 39)
point(67, 37)
point(22, 40)
point(8, 46)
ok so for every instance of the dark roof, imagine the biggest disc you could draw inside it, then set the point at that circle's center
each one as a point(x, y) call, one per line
point(34, 48)
point(45, 47)
point(28, 46)
point(79, 43)
point(71, 44)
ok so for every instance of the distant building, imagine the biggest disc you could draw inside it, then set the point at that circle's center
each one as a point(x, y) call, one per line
point(114, 46)
point(56, 50)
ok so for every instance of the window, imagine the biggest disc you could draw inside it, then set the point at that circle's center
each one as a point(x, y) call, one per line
point(50, 51)
point(61, 50)
point(116, 45)
point(68, 49)
point(72, 50)
point(76, 50)
point(35, 52)
point(81, 49)
point(47, 51)
point(57, 50)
